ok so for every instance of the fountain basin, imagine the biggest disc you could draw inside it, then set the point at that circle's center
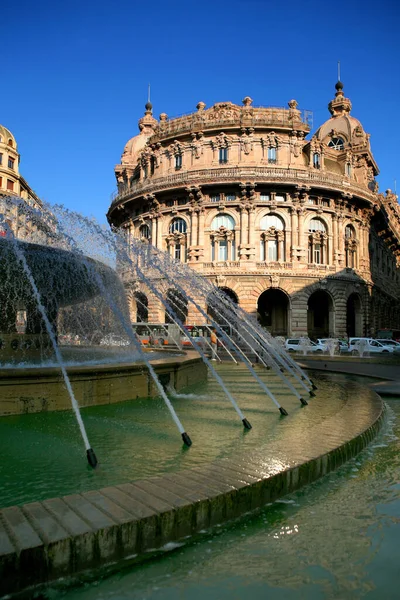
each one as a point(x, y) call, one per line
point(31, 389)
point(59, 537)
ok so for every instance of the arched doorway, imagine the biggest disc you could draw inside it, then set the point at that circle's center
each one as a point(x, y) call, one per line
point(354, 323)
point(142, 311)
point(179, 305)
point(320, 315)
point(214, 311)
point(272, 308)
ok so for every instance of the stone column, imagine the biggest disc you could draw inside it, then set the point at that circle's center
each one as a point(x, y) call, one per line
point(201, 219)
point(341, 241)
point(159, 232)
point(302, 255)
point(334, 240)
point(293, 233)
point(153, 230)
point(281, 249)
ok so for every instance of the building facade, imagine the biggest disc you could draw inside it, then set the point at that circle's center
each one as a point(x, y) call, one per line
point(13, 185)
point(291, 227)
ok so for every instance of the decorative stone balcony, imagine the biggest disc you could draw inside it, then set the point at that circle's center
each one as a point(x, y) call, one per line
point(237, 174)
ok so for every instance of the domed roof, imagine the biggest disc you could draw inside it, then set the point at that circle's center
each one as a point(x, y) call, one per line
point(6, 135)
point(342, 123)
point(136, 144)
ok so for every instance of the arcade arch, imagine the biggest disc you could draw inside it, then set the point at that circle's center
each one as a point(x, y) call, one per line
point(320, 315)
point(273, 311)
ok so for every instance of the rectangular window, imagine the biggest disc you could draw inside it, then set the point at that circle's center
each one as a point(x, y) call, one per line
point(280, 198)
point(1, 158)
point(317, 254)
point(10, 185)
point(223, 155)
point(213, 250)
point(169, 203)
point(1, 182)
point(316, 160)
point(272, 251)
point(10, 163)
point(177, 252)
point(181, 201)
point(215, 198)
point(272, 155)
point(230, 197)
point(178, 161)
point(264, 197)
point(223, 250)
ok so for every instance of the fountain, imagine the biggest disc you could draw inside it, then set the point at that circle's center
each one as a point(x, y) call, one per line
point(69, 287)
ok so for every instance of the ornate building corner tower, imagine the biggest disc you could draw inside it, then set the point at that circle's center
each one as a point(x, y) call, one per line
point(291, 227)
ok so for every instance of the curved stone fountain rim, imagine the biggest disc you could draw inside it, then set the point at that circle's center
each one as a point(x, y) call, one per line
point(61, 537)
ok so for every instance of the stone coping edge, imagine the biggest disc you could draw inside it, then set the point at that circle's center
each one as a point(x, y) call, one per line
point(44, 541)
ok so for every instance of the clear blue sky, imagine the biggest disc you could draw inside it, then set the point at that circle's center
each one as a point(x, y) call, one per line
point(75, 75)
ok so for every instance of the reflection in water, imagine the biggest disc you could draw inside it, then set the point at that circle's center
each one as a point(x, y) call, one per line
point(337, 538)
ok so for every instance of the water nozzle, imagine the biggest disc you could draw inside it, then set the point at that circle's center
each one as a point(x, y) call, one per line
point(186, 439)
point(304, 402)
point(283, 411)
point(91, 457)
point(246, 424)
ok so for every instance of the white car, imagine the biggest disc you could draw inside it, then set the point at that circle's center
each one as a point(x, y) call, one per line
point(392, 344)
point(301, 344)
point(361, 345)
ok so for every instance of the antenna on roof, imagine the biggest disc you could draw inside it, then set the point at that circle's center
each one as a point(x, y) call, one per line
point(148, 94)
point(338, 70)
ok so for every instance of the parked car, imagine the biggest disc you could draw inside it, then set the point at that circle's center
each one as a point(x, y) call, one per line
point(297, 345)
point(392, 344)
point(340, 345)
point(356, 345)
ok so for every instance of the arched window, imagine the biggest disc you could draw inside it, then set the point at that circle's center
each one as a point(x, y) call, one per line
point(272, 242)
point(350, 245)
point(223, 220)
point(317, 225)
point(222, 237)
point(178, 226)
point(10, 143)
point(177, 240)
point(336, 143)
point(144, 232)
point(317, 243)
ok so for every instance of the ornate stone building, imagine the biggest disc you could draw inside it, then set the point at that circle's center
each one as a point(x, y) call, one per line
point(13, 185)
point(292, 228)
